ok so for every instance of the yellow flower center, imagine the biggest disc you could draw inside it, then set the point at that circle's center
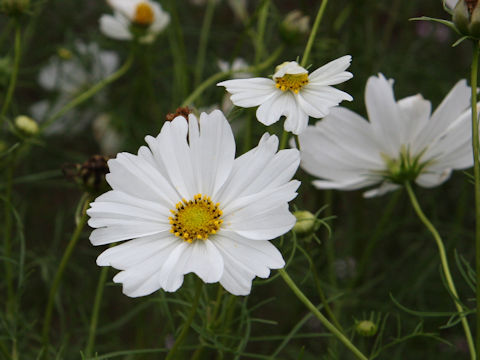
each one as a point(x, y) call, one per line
point(195, 219)
point(293, 82)
point(143, 14)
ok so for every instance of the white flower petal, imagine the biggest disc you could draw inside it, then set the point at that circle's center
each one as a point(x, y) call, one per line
point(113, 27)
point(200, 257)
point(384, 188)
point(250, 92)
point(213, 151)
point(332, 73)
point(245, 259)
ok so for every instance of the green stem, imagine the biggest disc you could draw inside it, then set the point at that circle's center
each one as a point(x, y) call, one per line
point(221, 75)
point(16, 65)
point(188, 321)
point(476, 169)
point(202, 46)
point(313, 34)
point(262, 24)
point(58, 275)
point(96, 310)
point(320, 317)
point(445, 267)
point(7, 231)
point(283, 140)
point(89, 93)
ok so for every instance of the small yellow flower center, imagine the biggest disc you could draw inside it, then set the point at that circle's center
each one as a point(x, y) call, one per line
point(292, 82)
point(195, 219)
point(143, 14)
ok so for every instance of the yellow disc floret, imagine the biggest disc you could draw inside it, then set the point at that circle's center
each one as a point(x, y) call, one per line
point(293, 82)
point(143, 14)
point(196, 219)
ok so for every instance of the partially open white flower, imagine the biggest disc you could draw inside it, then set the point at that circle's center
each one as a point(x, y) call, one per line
point(402, 141)
point(187, 205)
point(293, 93)
point(144, 19)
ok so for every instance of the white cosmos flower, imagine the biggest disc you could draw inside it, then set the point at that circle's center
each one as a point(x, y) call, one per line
point(451, 3)
point(131, 18)
point(185, 204)
point(401, 142)
point(293, 93)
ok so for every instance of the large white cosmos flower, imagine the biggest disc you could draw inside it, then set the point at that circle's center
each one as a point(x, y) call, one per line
point(142, 18)
point(293, 93)
point(402, 141)
point(187, 205)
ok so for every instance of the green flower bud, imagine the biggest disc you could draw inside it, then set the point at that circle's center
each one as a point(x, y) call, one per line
point(466, 17)
point(64, 53)
point(366, 328)
point(14, 7)
point(26, 125)
point(305, 222)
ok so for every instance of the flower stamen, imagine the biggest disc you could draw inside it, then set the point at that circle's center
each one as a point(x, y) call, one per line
point(196, 219)
point(293, 82)
point(143, 14)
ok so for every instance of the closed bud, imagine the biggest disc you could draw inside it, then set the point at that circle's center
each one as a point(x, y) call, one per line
point(366, 328)
point(305, 222)
point(466, 17)
point(26, 125)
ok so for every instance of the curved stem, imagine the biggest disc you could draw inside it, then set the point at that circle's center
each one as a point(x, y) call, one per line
point(58, 275)
point(320, 316)
point(221, 75)
point(16, 65)
point(96, 310)
point(89, 93)
point(476, 170)
point(188, 321)
point(202, 46)
point(313, 34)
point(262, 24)
point(445, 267)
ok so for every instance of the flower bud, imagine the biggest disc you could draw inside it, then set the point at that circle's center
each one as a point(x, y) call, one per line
point(366, 328)
point(294, 26)
point(26, 125)
point(305, 222)
point(466, 17)
point(14, 7)
point(64, 53)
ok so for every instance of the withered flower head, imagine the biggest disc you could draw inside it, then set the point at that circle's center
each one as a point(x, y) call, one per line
point(181, 111)
point(89, 176)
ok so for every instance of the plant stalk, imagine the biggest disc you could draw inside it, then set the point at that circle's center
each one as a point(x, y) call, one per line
point(445, 267)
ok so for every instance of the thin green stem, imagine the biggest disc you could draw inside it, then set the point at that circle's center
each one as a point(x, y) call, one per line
point(476, 170)
point(221, 75)
point(96, 310)
point(445, 267)
point(16, 65)
point(188, 321)
point(313, 34)
point(320, 316)
point(202, 46)
point(7, 232)
point(283, 140)
point(58, 275)
point(89, 93)
point(262, 25)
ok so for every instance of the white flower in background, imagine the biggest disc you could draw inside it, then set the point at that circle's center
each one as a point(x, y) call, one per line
point(402, 141)
point(68, 76)
point(293, 93)
point(144, 19)
point(187, 205)
point(108, 138)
